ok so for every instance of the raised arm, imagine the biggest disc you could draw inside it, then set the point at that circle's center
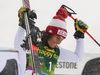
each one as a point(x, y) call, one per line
point(76, 56)
point(69, 56)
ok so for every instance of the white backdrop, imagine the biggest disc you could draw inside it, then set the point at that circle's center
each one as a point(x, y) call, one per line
point(87, 10)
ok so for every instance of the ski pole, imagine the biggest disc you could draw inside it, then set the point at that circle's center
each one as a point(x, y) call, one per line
point(70, 15)
point(87, 33)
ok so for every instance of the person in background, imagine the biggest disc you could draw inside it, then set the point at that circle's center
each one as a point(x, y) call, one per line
point(48, 49)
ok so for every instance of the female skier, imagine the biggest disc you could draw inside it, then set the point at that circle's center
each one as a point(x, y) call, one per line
point(48, 49)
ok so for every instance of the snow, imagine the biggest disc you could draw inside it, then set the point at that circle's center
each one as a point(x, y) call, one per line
point(87, 10)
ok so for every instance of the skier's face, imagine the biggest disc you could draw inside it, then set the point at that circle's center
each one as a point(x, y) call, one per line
point(54, 40)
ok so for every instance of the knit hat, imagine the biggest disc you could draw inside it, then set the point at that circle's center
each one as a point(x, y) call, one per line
point(57, 25)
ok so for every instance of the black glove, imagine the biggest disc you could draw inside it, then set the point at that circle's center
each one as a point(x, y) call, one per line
point(35, 36)
point(79, 26)
point(31, 16)
point(25, 45)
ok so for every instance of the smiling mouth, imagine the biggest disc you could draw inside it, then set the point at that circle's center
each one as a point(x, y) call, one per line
point(55, 44)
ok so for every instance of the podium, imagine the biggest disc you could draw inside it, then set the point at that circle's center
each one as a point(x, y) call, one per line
point(9, 62)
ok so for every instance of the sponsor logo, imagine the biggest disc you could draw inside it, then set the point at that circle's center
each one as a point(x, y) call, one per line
point(48, 54)
point(44, 74)
point(35, 54)
point(62, 33)
point(42, 63)
point(50, 50)
point(50, 31)
point(41, 57)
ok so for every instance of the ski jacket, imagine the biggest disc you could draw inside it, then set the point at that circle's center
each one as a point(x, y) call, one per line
point(61, 54)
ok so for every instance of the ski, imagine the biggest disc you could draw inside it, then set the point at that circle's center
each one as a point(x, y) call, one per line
point(33, 48)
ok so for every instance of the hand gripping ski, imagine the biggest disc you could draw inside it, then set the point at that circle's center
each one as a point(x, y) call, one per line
point(33, 48)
